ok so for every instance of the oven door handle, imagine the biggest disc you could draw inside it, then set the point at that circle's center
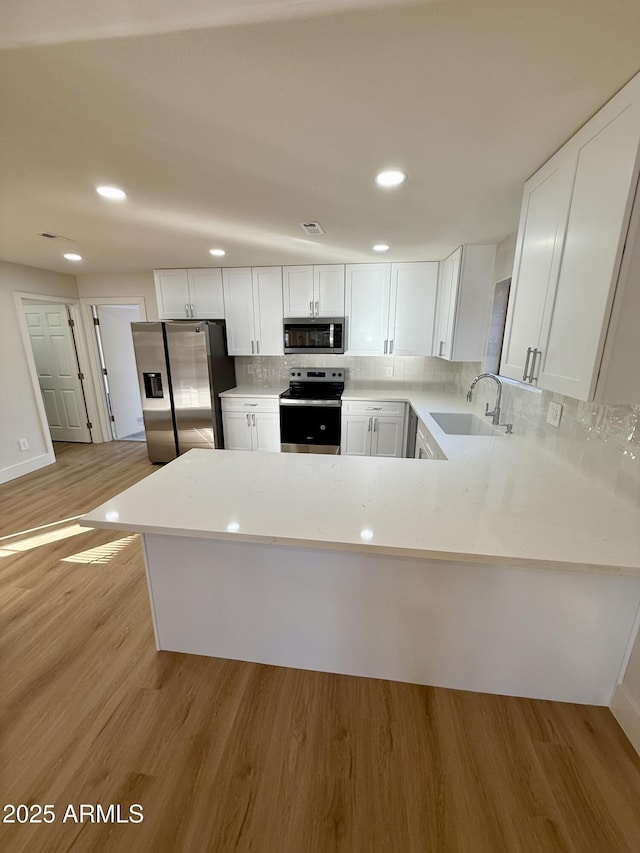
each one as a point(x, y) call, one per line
point(333, 404)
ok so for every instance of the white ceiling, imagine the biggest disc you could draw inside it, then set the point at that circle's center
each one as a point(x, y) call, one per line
point(264, 114)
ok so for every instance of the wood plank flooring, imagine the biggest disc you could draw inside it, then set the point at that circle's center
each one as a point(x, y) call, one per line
point(231, 756)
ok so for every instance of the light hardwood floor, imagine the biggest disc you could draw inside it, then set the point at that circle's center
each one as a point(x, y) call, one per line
point(231, 756)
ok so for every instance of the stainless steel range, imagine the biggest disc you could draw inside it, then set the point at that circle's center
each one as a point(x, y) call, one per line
point(311, 410)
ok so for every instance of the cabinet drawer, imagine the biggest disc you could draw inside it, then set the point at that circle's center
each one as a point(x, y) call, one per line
point(372, 407)
point(425, 440)
point(250, 404)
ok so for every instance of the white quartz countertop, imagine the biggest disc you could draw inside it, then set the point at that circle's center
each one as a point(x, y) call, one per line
point(495, 499)
point(249, 391)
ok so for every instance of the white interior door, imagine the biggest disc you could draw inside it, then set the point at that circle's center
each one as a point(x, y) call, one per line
point(58, 372)
point(120, 362)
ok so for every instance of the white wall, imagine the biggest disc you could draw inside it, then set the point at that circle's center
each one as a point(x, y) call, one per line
point(107, 286)
point(19, 416)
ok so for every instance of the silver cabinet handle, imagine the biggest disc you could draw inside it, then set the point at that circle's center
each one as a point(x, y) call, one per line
point(390, 347)
point(252, 350)
point(385, 347)
point(248, 419)
point(526, 364)
point(186, 308)
point(317, 307)
point(533, 377)
point(374, 408)
point(369, 427)
point(253, 418)
point(258, 347)
point(193, 313)
point(251, 404)
point(441, 347)
point(311, 307)
point(375, 424)
point(420, 452)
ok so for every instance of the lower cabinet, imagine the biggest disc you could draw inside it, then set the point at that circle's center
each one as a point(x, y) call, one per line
point(251, 423)
point(426, 446)
point(370, 428)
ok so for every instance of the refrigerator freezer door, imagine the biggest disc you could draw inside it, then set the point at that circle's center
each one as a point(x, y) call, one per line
point(153, 380)
point(187, 344)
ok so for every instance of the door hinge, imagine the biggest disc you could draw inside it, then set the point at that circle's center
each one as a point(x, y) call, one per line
point(96, 321)
point(104, 371)
point(111, 418)
point(89, 425)
point(71, 321)
point(81, 376)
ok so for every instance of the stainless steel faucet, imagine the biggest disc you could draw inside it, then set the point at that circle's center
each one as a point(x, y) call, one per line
point(495, 414)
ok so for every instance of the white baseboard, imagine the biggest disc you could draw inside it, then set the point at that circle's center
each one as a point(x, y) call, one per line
point(22, 468)
point(627, 713)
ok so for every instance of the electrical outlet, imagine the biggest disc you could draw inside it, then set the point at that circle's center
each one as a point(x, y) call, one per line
point(251, 369)
point(23, 444)
point(554, 413)
point(390, 370)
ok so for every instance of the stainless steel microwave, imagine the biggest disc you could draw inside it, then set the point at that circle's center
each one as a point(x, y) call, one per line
point(322, 335)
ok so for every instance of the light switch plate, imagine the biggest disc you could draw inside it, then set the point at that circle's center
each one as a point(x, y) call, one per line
point(554, 413)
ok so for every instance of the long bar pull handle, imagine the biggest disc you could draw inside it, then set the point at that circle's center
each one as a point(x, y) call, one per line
point(252, 349)
point(369, 427)
point(385, 347)
point(317, 307)
point(534, 377)
point(186, 309)
point(311, 308)
point(253, 418)
point(375, 424)
point(193, 313)
point(248, 419)
point(390, 347)
point(526, 364)
point(258, 347)
point(441, 347)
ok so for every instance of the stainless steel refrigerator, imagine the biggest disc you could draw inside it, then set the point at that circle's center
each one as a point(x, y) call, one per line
point(182, 368)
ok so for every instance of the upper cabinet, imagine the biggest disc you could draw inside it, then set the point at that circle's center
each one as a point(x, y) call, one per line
point(390, 308)
point(465, 295)
point(253, 302)
point(189, 294)
point(313, 291)
point(565, 331)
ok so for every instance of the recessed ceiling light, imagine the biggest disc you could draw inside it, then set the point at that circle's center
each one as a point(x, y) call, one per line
point(112, 193)
point(217, 252)
point(380, 247)
point(390, 178)
point(72, 256)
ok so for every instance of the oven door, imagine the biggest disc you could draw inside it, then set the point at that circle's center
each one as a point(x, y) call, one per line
point(310, 426)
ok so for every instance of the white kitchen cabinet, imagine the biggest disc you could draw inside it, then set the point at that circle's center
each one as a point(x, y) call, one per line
point(412, 305)
point(253, 303)
point(313, 291)
point(251, 423)
point(371, 428)
point(390, 308)
point(426, 445)
point(463, 307)
point(575, 245)
point(189, 294)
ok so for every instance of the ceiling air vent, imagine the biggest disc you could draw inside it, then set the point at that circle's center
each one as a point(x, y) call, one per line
point(314, 229)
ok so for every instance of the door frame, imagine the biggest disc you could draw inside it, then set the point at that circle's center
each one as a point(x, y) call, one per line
point(101, 422)
point(21, 300)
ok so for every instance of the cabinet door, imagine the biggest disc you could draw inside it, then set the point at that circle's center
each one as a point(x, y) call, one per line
point(595, 235)
point(237, 430)
point(297, 291)
point(412, 308)
point(266, 431)
point(205, 293)
point(538, 252)
point(328, 287)
point(238, 300)
point(267, 310)
point(172, 293)
point(447, 304)
point(387, 436)
point(367, 308)
point(356, 435)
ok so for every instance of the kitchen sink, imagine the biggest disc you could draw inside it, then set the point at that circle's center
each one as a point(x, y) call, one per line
point(463, 423)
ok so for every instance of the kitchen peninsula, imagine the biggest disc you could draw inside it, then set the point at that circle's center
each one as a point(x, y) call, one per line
point(494, 570)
